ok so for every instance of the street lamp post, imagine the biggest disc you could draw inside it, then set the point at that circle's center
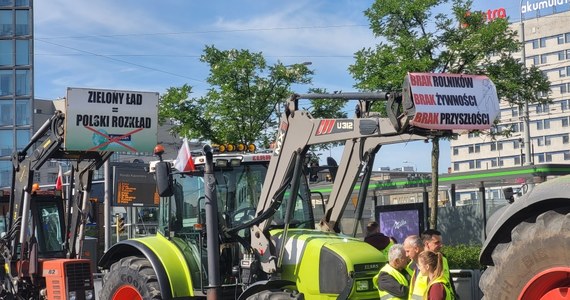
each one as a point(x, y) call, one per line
point(526, 120)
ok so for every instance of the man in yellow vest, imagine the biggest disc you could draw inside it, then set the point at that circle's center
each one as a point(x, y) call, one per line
point(433, 242)
point(393, 279)
point(413, 245)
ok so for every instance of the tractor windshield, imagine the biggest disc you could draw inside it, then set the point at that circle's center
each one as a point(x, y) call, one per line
point(238, 191)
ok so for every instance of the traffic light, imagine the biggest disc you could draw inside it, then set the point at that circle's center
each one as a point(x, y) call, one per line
point(121, 225)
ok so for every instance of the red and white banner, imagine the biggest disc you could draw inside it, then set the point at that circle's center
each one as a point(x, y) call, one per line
point(453, 101)
point(184, 161)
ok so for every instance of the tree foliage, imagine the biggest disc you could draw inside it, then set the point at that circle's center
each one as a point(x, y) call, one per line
point(414, 39)
point(240, 103)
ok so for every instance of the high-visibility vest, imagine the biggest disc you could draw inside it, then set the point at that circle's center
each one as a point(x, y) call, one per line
point(400, 278)
point(418, 286)
point(447, 275)
point(410, 270)
point(446, 286)
point(385, 251)
point(446, 268)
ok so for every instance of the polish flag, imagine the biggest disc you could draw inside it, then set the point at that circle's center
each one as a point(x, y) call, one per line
point(184, 161)
point(59, 180)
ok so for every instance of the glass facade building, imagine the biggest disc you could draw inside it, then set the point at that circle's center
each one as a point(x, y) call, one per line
point(16, 81)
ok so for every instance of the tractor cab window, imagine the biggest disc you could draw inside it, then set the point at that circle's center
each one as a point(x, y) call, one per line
point(238, 190)
point(302, 215)
point(49, 229)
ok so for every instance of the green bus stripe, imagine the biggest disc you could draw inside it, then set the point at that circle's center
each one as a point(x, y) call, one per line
point(547, 169)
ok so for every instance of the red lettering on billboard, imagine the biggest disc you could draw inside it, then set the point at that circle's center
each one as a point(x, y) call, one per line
point(500, 13)
point(424, 99)
point(421, 80)
point(490, 15)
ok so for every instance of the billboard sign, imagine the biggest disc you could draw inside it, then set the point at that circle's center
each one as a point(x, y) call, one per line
point(111, 120)
point(134, 187)
point(401, 220)
point(539, 8)
point(451, 101)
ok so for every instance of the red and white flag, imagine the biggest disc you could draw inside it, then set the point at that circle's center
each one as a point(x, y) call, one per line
point(184, 161)
point(59, 180)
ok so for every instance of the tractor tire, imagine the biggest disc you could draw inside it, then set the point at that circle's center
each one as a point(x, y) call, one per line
point(276, 295)
point(131, 278)
point(535, 263)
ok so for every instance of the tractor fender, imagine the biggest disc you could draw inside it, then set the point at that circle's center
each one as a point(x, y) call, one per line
point(136, 248)
point(549, 195)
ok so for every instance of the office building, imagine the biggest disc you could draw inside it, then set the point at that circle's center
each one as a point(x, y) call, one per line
point(16, 80)
point(547, 46)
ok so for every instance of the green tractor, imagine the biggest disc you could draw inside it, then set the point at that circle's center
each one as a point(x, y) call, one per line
point(241, 226)
point(174, 264)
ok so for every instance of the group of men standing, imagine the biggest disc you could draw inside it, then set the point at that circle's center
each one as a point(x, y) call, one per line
point(416, 269)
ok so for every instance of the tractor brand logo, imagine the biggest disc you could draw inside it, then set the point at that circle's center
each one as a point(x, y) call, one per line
point(329, 126)
point(279, 145)
point(261, 157)
point(366, 267)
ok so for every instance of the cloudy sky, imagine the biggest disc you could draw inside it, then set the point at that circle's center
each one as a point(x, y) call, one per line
point(153, 45)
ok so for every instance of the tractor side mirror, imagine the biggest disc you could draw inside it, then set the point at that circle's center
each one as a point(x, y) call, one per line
point(164, 179)
point(509, 194)
point(332, 166)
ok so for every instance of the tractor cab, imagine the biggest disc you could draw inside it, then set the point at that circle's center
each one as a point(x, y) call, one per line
point(238, 179)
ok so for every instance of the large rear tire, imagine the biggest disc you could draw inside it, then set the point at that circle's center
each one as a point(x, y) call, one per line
point(131, 278)
point(535, 263)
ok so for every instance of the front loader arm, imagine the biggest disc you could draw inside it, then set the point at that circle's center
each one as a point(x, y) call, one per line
point(297, 132)
point(48, 142)
point(429, 105)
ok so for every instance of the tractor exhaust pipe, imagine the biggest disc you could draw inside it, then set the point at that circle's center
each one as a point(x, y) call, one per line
point(212, 233)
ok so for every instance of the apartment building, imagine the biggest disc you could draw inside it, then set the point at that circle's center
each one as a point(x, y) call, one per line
point(547, 46)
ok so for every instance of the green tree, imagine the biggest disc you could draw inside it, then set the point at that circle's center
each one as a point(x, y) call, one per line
point(413, 39)
point(240, 104)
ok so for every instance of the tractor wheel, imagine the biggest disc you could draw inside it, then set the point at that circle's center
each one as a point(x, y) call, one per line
point(276, 295)
point(131, 278)
point(535, 264)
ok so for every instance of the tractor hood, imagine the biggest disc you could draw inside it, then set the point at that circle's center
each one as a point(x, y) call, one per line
point(341, 260)
point(302, 240)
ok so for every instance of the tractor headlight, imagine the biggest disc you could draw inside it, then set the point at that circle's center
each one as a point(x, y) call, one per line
point(89, 295)
point(72, 295)
point(333, 273)
point(362, 285)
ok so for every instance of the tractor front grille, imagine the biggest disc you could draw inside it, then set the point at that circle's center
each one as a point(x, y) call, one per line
point(78, 275)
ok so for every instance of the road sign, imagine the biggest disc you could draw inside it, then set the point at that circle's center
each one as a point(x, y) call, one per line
point(451, 101)
point(134, 187)
point(111, 120)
